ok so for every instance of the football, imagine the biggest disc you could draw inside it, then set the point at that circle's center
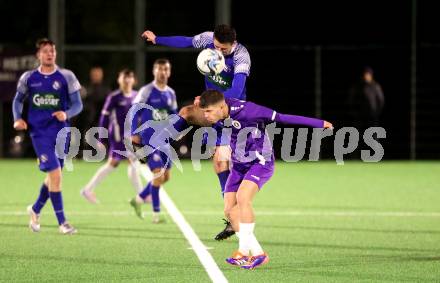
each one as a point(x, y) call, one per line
point(210, 62)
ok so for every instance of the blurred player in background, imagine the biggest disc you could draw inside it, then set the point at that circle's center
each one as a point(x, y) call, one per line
point(231, 81)
point(112, 118)
point(248, 176)
point(161, 101)
point(366, 101)
point(93, 96)
point(53, 97)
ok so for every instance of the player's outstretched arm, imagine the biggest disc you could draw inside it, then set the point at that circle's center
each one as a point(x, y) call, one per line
point(301, 120)
point(238, 84)
point(171, 41)
point(104, 118)
point(258, 112)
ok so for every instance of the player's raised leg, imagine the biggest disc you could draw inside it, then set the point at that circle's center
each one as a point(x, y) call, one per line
point(134, 175)
point(221, 164)
point(151, 191)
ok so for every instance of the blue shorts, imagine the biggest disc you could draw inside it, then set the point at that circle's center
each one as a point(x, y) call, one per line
point(158, 159)
point(113, 146)
point(45, 150)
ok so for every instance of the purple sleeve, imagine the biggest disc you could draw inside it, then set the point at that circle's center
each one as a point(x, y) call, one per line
point(260, 113)
point(104, 120)
point(257, 112)
point(298, 120)
point(175, 41)
point(238, 83)
point(135, 121)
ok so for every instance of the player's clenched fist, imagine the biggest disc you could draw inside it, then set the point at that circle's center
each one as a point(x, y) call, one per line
point(328, 125)
point(60, 115)
point(20, 124)
point(149, 36)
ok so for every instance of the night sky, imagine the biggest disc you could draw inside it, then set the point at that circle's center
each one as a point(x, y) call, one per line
point(283, 45)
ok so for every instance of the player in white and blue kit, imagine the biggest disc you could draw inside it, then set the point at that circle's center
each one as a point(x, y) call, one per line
point(161, 102)
point(231, 81)
point(53, 97)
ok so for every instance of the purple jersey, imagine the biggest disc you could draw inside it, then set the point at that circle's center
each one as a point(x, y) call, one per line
point(46, 94)
point(237, 62)
point(250, 143)
point(248, 121)
point(114, 112)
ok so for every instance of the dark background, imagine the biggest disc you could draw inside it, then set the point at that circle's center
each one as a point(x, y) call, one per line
point(283, 38)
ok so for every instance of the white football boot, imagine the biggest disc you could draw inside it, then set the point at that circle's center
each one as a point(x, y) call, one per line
point(89, 196)
point(67, 229)
point(34, 223)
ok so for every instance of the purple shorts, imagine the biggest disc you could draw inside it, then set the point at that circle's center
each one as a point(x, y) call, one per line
point(257, 173)
point(117, 146)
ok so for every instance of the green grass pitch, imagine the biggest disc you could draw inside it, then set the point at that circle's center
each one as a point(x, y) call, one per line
point(318, 221)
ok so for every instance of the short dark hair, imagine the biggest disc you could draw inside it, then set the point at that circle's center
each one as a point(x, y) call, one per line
point(225, 34)
point(42, 42)
point(126, 72)
point(210, 97)
point(367, 69)
point(161, 61)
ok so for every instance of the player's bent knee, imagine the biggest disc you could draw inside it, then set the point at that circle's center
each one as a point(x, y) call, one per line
point(46, 181)
point(55, 186)
point(166, 178)
point(220, 166)
point(113, 163)
point(159, 180)
point(227, 211)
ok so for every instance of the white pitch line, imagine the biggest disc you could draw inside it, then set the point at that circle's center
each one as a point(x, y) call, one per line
point(199, 248)
point(294, 213)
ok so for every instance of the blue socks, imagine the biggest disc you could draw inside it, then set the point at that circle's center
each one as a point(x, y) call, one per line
point(155, 198)
point(41, 200)
point(223, 177)
point(154, 191)
point(145, 192)
point(57, 203)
